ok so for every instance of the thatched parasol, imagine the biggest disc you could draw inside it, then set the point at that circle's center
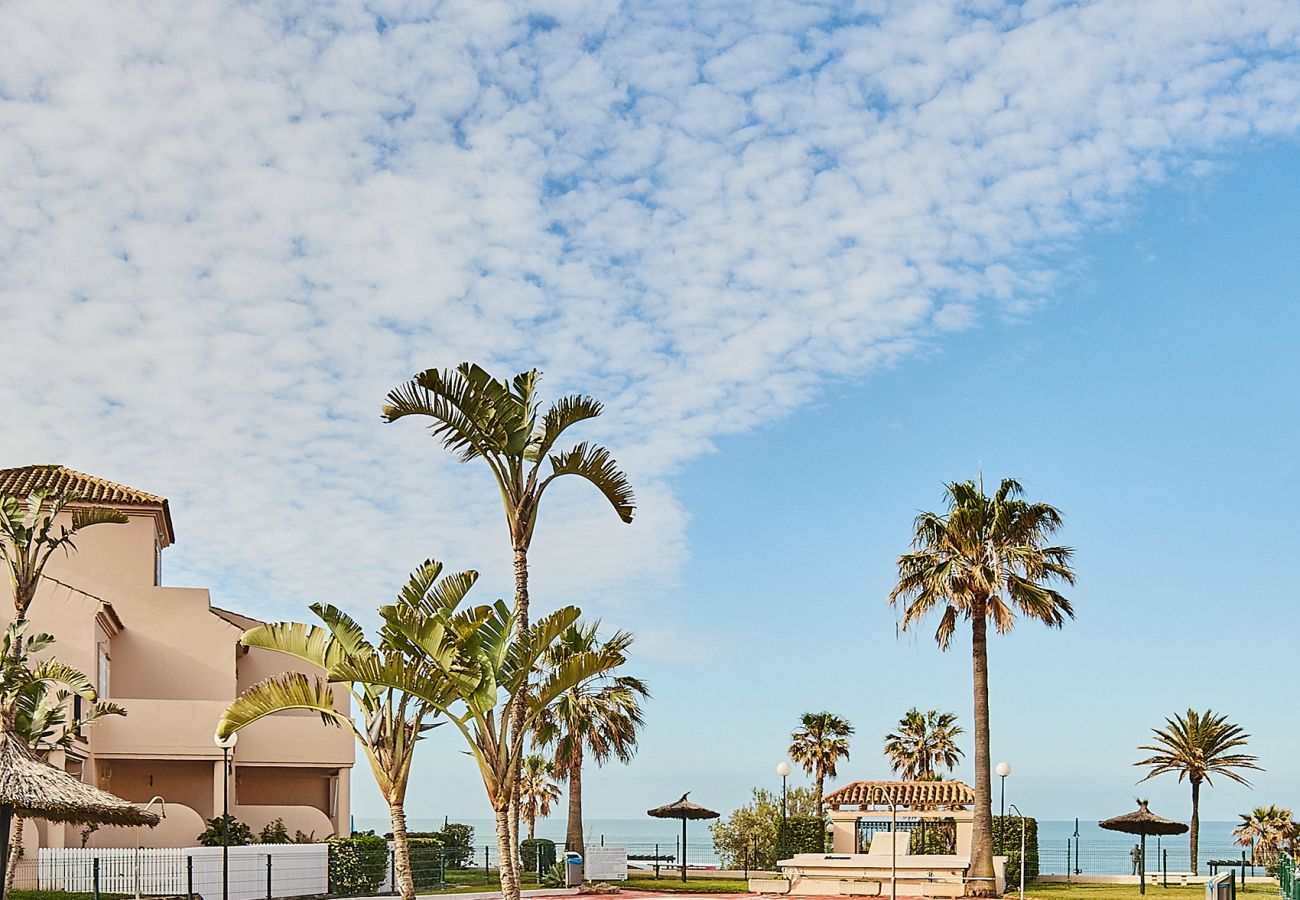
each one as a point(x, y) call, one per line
point(1143, 822)
point(682, 809)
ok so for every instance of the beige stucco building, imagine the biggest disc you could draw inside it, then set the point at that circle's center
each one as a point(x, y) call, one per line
point(174, 662)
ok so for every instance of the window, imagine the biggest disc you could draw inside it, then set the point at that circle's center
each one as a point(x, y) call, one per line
point(101, 681)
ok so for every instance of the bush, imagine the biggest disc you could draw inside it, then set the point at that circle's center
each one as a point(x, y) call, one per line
point(938, 837)
point(753, 831)
point(536, 854)
point(555, 876)
point(274, 833)
point(357, 864)
point(426, 860)
point(805, 834)
point(213, 836)
point(1006, 842)
point(457, 842)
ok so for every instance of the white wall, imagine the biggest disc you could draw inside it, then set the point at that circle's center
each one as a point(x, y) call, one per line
point(296, 870)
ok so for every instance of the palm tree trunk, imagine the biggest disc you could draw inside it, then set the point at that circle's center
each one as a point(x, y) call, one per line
point(401, 853)
point(821, 782)
point(532, 821)
point(1194, 834)
point(15, 855)
point(509, 875)
point(517, 711)
point(981, 876)
point(573, 828)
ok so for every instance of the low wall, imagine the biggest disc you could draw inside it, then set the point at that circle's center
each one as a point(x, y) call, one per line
point(296, 870)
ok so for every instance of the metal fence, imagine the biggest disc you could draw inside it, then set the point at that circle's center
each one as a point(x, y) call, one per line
point(1286, 875)
point(1086, 857)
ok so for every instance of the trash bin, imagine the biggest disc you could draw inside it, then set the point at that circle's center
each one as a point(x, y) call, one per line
point(572, 869)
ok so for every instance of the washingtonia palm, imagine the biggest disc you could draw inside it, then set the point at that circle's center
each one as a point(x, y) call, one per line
point(393, 719)
point(986, 560)
point(821, 741)
point(483, 668)
point(477, 416)
point(1198, 746)
point(1266, 830)
point(924, 742)
point(538, 791)
point(597, 719)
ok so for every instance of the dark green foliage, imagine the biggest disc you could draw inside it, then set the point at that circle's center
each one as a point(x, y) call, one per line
point(555, 876)
point(1006, 842)
point(240, 834)
point(426, 860)
point(535, 853)
point(274, 833)
point(938, 837)
point(805, 834)
point(357, 864)
point(457, 841)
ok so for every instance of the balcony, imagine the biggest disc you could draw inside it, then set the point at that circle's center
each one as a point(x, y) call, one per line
point(183, 729)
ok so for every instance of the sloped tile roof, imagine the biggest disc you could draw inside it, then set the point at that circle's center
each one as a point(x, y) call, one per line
point(914, 794)
point(22, 480)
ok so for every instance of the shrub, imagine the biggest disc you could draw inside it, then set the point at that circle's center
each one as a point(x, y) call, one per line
point(213, 836)
point(753, 831)
point(536, 854)
point(274, 833)
point(554, 876)
point(805, 834)
point(357, 864)
point(426, 860)
point(458, 840)
point(1006, 842)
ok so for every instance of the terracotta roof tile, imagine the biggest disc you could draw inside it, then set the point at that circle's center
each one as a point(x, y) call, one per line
point(904, 793)
point(22, 480)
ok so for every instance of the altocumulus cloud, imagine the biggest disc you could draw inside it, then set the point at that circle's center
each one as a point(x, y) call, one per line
point(227, 228)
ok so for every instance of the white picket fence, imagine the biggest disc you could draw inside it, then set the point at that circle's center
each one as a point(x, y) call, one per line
point(295, 870)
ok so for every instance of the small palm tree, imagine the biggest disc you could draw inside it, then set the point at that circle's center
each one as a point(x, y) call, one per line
point(986, 560)
point(40, 700)
point(820, 742)
point(597, 719)
point(537, 790)
point(30, 535)
point(501, 422)
point(1198, 746)
point(1266, 830)
point(393, 719)
point(485, 665)
point(924, 742)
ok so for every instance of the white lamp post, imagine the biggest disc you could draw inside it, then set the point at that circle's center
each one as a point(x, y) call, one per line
point(1017, 811)
point(162, 807)
point(1003, 769)
point(782, 769)
point(226, 744)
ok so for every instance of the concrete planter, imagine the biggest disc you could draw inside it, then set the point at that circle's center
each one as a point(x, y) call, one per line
point(769, 886)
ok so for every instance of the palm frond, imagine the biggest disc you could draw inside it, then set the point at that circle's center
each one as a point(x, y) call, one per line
point(595, 464)
point(290, 690)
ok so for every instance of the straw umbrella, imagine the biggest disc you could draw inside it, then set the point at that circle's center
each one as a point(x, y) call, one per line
point(682, 809)
point(1142, 822)
point(37, 790)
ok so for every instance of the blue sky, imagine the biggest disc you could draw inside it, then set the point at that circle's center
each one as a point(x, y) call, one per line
point(816, 259)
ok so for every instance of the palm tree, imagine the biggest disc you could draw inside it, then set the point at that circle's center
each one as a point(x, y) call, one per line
point(479, 417)
point(484, 666)
point(821, 741)
point(40, 699)
point(1198, 746)
point(29, 536)
point(537, 790)
point(1266, 830)
point(597, 718)
point(393, 719)
point(985, 560)
point(924, 742)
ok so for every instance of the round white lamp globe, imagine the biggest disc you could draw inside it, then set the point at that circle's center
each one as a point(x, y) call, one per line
point(226, 743)
point(1003, 769)
point(783, 769)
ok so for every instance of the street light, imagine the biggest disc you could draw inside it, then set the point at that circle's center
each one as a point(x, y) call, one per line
point(162, 808)
point(782, 769)
point(1017, 811)
point(1003, 769)
point(226, 744)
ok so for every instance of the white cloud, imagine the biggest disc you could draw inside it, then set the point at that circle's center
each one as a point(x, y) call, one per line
point(227, 230)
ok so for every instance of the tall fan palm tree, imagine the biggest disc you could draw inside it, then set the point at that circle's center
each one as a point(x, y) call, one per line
point(30, 535)
point(985, 560)
point(40, 699)
point(393, 718)
point(924, 742)
point(1198, 746)
point(501, 422)
point(485, 666)
point(537, 790)
point(598, 718)
point(819, 743)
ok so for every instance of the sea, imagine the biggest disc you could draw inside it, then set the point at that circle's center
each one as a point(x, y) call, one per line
point(1064, 845)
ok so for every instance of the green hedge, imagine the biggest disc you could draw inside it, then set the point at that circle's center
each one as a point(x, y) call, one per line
point(1006, 842)
point(458, 842)
point(426, 860)
point(357, 864)
point(531, 849)
point(806, 834)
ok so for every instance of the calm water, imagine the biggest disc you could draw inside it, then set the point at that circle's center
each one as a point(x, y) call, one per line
point(1098, 852)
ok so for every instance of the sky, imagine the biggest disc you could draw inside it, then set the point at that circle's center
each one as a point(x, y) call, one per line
point(816, 259)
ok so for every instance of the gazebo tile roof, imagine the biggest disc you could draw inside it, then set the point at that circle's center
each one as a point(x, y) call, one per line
point(914, 794)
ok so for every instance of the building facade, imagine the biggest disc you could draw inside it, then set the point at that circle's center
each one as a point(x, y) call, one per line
point(174, 662)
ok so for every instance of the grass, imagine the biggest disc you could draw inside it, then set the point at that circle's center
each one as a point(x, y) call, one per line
point(1056, 891)
point(60, 895)
point(670, 885)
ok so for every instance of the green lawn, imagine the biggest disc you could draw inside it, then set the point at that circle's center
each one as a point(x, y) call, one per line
point(668, 884)
point(1124, 891)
